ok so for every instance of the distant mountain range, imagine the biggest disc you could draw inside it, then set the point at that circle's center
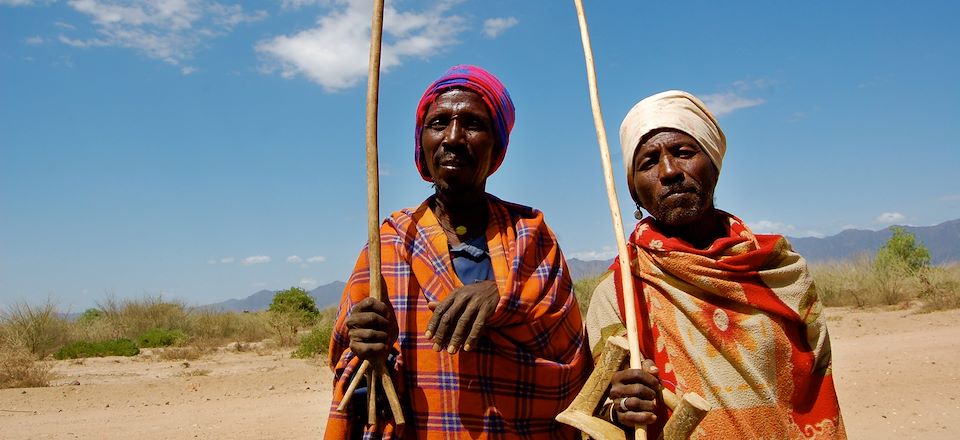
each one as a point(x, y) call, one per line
point(325, 296)
point(943, 242)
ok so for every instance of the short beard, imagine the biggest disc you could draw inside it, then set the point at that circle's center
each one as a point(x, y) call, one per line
point(685, 214)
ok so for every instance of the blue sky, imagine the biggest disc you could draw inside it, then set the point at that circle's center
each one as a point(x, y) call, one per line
point(204, 150)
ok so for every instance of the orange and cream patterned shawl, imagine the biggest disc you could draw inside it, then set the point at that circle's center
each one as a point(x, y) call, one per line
point(739, 323)
point(527, 366)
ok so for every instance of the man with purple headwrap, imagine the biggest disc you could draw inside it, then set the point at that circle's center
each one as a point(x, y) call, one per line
point(481, 331)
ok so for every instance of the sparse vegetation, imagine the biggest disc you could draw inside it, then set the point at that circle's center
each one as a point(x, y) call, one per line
point(900, 272)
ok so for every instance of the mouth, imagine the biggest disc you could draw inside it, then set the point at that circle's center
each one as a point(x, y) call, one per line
point(677, 193)
point(454, 163)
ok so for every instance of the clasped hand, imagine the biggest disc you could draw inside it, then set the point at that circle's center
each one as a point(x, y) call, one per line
point(456, 323)
point(634, 395)
point(458, 320)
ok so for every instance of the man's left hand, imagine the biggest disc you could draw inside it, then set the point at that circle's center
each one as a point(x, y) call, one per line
point(458, 319)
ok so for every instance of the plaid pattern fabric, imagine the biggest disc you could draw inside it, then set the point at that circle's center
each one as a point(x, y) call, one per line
point(527, 366)
point(739, 323)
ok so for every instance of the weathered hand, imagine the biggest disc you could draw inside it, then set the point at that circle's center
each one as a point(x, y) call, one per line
point(372, 327)
point(635, 390)
point(458, 320)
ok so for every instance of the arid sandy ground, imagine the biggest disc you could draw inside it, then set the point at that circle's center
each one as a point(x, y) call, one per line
point(897, 375)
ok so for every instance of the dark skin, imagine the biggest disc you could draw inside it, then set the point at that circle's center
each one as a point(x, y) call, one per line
point(459, 150)
point(673, 179)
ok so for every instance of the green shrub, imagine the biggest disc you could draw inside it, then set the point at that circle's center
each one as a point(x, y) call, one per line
point(161, 337)
point(315, 343)
point(583, 289)
point(90, 315)
point(84, 349)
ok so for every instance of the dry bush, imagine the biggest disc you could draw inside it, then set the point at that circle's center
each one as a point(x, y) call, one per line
point(39, 329)
point(228, 326)
point(19, 368)
point(197, 372)
point(941, 288)
point(860, 283)
point(179, 353)
point(129, 318)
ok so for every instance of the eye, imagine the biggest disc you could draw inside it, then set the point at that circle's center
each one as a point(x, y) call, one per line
point(436, 123)
point(646, 162)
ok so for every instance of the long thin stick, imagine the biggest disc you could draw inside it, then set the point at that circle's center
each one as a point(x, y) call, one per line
point(378, 371)
point(626, 277)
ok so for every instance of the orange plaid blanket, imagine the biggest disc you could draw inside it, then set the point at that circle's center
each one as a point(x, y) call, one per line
point(741, 324)
point(526, 368)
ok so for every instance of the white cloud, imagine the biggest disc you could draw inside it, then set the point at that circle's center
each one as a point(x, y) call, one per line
point(226, 260)
point(890, 217)
point(19, 2)
point(728, 102)
point(604, 253)
point(64, 25)
point(493, 27)
point(34, 40)
point(951, 198)
point(297, 4)
point(294, 259)
point(169, 30)
point(772, 227)
point(316, 259)
point(309, 283)
point(186, 70)
point(211, 261)
point(256, 259)
point(334, 54)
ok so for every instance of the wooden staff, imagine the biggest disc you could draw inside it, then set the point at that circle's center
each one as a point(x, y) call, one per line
point(626, 279)
point(379, 370)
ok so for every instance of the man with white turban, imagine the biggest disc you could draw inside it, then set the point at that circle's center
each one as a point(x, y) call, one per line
point(728, 314)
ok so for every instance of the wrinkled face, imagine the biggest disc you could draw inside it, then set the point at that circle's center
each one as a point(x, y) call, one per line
point(458, 140)
point(673, 178)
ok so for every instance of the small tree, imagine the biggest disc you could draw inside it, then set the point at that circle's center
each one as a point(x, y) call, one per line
point(290, 310)
point(898, 261)
point(902, 252)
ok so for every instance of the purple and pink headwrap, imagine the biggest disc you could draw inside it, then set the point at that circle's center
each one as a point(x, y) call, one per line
point(489, 88)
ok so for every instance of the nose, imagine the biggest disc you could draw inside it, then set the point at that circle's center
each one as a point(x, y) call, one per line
point(668, 170)
point(455, 133)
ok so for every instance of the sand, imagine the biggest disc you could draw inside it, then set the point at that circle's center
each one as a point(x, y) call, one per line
point(896, 372)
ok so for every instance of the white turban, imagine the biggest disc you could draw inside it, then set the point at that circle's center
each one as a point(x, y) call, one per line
point(674, 109)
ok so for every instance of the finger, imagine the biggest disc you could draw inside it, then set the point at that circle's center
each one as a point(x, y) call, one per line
point(367, 335)
point(478, 324)
point(432, 305)
point(649, 366)
point(367, 320)
point(631, 418)
point(448, 317)
point(438, 311)
point(464, 324)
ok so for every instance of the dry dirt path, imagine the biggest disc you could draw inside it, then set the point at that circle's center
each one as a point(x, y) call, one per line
point(897, 373)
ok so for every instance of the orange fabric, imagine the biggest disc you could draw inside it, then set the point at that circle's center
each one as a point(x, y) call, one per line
point(526, 368)
point(739, 323)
